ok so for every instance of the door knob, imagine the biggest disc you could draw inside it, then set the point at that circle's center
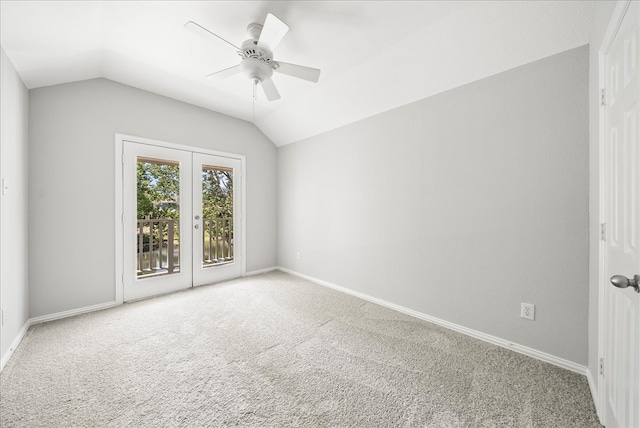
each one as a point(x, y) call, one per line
point(622, 281)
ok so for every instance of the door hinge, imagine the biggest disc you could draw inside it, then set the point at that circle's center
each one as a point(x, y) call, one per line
point(603, 97)
point(603, 231)
point(123, 158)
point(123, 278)
point(601, 369)
point(122, 218)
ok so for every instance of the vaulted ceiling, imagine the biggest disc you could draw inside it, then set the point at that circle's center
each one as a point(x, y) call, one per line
point(374, 55)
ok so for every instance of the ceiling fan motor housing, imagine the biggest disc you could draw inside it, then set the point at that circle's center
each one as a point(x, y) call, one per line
point(256, 61)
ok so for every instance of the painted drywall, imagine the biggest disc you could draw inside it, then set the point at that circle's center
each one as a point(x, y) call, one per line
point(601, 16)
point(14, 283)
point(460, 206)
point(72, 182)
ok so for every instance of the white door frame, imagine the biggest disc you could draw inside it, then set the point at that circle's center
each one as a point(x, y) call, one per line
point(119, 195)
point(603, 282)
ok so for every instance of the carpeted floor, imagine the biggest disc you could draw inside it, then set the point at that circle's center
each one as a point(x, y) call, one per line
point(276, 351)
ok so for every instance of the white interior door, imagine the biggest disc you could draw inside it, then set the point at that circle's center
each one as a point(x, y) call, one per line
point(622, 215)
point(182, 214)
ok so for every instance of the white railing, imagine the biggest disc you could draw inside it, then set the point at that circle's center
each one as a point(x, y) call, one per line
point(217, 240)
point(158, 242)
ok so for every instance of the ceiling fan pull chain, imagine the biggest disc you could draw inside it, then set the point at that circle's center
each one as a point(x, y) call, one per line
point(253, 112)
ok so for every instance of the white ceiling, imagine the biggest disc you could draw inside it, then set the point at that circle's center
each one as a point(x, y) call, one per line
point(374, 55)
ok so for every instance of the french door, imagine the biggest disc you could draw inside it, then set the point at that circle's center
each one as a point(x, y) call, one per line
point(181, 221)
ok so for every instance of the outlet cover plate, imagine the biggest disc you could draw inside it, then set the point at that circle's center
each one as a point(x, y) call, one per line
point(528, 311)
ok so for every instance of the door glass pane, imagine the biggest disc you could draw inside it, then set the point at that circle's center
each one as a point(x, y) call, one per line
point(217, 215)
point(158, 214)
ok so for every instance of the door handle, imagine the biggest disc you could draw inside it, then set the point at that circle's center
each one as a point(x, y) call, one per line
point(622, 281)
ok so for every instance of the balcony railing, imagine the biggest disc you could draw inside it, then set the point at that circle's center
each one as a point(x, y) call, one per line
point(158, 242)
point(217, 241)
point(158, 246)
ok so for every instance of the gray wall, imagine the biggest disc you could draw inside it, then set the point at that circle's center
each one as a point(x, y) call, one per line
point(71, 188)
point(601, 16)
point(460, 206)
point(14, 284)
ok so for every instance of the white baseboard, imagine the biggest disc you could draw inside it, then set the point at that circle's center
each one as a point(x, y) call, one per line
point(534, 353)
point(593, 387)
point(260, 271)
point(14, 345)
point(72, 312)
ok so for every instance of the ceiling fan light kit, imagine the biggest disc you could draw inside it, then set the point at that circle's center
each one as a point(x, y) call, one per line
point(256, 55)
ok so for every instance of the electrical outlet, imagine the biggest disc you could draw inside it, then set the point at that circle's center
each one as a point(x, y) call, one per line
point(298, 255)
point(528, 311)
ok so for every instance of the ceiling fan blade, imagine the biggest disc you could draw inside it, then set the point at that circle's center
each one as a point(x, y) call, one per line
point(227, 72)
point(270, 90)
point(272, 32)
point(299, 71)
point(203, 32)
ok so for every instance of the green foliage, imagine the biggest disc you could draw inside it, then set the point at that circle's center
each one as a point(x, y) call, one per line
point(145, 204)
point(217, 194)
point(158, 191)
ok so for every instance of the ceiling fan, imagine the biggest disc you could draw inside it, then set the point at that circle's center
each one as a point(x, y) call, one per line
point(256, 55)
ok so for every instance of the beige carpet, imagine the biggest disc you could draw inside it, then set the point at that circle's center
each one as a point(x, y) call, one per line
point(276, 351)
